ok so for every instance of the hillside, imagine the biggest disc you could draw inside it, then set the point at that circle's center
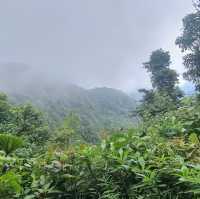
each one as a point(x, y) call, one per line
point(99, 107)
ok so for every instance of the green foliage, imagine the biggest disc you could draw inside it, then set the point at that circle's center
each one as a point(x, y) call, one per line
point(72, 131)
point(125, 165)
point(177, 122)
point(189, 42)
point(23, 120)
point(154, 104)
point(4, 108)
point(69, 132)
point(10, 143)
point(159, 59)
point(97, 108)
point(10, 185)
point(30, 123)
point(158, 159)
point(165, 95)
point(163, 78)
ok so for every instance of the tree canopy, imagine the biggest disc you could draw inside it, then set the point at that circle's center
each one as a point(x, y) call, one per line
point(165, 94)
point(163, 78)
point(189, 42)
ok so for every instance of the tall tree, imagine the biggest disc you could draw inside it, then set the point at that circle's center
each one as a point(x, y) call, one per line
point(189, 42)
point(163, 78)
point(165, 94)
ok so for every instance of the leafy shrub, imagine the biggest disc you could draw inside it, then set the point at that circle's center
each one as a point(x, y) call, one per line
point(9, 185)
point(10, 143)
point(122, 166)
point(158, 159)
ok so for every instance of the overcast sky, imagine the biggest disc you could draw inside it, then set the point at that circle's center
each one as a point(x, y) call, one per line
point(89, 42)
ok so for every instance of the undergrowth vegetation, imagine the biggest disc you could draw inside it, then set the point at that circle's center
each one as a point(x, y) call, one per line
point(158, 159)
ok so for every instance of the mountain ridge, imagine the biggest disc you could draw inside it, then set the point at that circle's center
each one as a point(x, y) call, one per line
point(102, 107)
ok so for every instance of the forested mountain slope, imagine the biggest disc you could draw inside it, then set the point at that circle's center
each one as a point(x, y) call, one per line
point(98, 108)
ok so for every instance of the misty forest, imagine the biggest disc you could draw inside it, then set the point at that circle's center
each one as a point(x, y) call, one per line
point(64, 140)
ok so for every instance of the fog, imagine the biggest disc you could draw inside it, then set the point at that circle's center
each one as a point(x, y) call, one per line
point(90, 43)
